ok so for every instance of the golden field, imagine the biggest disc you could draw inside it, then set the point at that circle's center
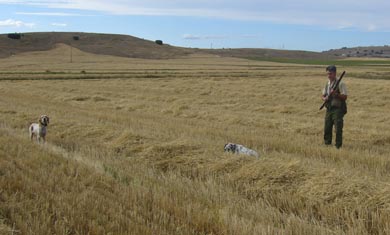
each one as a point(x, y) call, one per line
point(136, 147)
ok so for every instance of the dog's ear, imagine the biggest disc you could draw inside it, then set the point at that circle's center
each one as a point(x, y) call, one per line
point(224, 147)
point(234, 148)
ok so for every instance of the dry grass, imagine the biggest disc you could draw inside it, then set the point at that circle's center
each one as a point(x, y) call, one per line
point(137, 148)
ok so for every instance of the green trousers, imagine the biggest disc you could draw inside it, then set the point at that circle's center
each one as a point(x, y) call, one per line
point(334, 117)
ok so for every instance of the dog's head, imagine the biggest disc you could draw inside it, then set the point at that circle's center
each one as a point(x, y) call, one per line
point(44, 120)
point(230, 147)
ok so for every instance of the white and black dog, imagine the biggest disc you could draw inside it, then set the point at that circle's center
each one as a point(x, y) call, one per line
point(240, 149)
point(39, 129)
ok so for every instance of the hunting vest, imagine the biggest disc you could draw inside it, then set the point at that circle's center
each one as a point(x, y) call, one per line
point(334, 102)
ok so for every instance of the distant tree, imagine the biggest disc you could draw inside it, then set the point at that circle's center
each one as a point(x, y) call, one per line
point(159, 42)
point(15, 35)
point(76, 38)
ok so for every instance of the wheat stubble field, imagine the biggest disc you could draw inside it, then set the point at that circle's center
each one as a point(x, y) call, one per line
point(136, 147)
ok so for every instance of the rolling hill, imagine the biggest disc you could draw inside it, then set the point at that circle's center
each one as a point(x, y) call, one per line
point(129, 46)
point(133, 47)
point(107, 44)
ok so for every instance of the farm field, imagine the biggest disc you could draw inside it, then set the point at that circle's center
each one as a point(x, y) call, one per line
point(135, 146)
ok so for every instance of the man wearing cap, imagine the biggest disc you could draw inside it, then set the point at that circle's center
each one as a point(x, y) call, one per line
point(336, 108)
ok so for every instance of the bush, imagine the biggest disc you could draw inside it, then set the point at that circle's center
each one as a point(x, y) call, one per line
point(159, 42)
point(15, 35)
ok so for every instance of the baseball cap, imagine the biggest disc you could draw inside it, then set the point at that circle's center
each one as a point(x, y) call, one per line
point(331, 68)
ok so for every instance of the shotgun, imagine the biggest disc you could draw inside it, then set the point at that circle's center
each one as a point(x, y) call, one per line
point(333, 89)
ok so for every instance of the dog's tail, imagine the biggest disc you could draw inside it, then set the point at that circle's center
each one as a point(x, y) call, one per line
point(30, 127)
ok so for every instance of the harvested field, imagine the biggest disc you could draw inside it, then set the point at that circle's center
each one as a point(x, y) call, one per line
point(136, 147)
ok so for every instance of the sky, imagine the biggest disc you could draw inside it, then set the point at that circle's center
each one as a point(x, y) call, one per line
point(308, 25)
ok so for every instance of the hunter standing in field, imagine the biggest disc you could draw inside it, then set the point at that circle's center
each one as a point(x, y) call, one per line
point(336, 107)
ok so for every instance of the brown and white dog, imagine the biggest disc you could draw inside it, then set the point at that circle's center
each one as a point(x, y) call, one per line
point(39, 129)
